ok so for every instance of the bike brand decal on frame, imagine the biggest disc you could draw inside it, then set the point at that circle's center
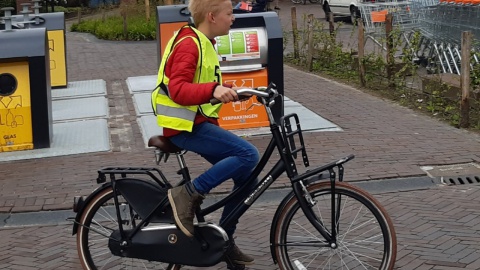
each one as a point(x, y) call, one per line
point(264, 185)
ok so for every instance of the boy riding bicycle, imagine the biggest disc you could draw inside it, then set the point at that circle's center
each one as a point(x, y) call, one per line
point(189, 76)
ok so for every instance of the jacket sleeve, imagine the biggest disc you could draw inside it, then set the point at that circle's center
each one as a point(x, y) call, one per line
point(180, 70)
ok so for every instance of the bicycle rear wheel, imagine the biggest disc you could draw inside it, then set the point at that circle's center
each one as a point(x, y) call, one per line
point(99, 220)
point(365, 234)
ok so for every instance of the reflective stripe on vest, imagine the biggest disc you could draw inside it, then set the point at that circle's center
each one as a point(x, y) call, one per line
point(172, 115)
point(174, 111)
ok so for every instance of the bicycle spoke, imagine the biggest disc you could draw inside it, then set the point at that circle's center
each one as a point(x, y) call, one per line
point(353, 240)
point(306, 230)
point(97, 228)
point(320, 214)
point(353, 255)
point(353, 221)
point(361, 244)
point(341, 260)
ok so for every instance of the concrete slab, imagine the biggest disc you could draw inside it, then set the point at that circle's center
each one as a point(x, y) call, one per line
point(148, 127)
point(142, 103)
point(69, 138)
point(79, 108)
point(141, 83)
point(79, 115)
point(309, 120)
point(78, 89)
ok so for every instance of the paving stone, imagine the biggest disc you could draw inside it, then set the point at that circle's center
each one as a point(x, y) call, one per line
point(434, 225)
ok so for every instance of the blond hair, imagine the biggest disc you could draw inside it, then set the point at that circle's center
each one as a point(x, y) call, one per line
point(200, 8)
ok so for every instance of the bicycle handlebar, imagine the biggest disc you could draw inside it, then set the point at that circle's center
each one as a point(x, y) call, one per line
point(265, 92)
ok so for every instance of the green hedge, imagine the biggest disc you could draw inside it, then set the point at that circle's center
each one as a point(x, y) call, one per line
point(112, 28)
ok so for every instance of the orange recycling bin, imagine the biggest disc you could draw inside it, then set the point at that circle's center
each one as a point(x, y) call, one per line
point(251, 55)
point(166, 31)
point(244, 114)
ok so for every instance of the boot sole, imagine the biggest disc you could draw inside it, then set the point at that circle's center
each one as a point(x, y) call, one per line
point(243, 263)
point(237, 262)
point(175, 216)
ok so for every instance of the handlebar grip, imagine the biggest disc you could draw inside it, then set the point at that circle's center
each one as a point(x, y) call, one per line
point(214, 101)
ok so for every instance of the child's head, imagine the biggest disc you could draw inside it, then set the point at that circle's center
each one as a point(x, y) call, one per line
point(217, 12)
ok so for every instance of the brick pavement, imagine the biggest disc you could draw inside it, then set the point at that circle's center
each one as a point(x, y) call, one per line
point(437, 228)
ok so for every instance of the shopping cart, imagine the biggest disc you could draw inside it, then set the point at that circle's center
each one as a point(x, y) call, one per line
point(374, 19)
point(441, 24)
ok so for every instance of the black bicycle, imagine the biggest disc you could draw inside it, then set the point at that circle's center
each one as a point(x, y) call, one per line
point(323, 223)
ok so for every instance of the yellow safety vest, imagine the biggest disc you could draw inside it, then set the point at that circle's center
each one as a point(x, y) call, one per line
point(172, 115)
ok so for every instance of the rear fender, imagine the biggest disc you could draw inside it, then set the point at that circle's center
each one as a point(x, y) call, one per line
point(146, 198)
point(79, 204)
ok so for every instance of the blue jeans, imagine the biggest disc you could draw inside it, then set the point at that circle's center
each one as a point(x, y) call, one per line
point(231, 157)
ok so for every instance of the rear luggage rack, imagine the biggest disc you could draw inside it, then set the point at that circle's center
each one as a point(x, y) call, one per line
point(124, 171)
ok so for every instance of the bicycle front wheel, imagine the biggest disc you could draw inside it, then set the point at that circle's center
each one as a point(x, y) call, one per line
point(98, 221)
point(365, 234)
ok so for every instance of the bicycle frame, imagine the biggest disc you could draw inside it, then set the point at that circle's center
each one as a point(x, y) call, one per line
point(283, 143)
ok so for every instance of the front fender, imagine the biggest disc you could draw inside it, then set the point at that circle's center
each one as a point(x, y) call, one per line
point(274, 226)
point(79, 205)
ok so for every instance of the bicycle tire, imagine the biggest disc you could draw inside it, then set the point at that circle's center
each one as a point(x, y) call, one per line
point(313, 1)
point(297, 1)
point(100, 216)
point(298, 252)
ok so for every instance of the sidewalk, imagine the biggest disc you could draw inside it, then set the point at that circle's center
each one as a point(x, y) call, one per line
point(437, 228)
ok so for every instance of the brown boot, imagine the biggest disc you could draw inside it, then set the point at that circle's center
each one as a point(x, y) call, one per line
point(233, 255)
point(184, 200)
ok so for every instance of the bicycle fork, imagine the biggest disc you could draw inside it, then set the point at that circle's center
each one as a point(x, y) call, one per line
point(308, 204)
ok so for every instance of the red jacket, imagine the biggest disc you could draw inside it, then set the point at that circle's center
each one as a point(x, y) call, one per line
point(180, 69)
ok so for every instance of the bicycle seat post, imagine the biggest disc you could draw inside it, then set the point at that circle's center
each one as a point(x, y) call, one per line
point(184, 172)
point(181, 160)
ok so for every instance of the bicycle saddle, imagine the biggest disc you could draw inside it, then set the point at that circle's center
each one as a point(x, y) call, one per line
point(164, 144)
